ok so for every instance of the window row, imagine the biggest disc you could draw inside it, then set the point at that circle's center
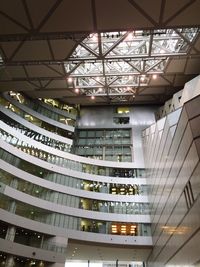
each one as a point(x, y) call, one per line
point(69, 164)
point(65, 221)
point(32, 134)
point(70, 200)
point(35, 105)
point(36, 121)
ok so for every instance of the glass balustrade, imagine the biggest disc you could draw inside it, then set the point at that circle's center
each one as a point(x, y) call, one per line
point(72, 222)
point(41, 138)
point(70, 200)
point(41, 109)
point(36, 121)
point(94, 186)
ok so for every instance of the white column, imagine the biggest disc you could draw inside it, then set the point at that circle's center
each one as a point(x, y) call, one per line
point(10, 235)
point(10, 262)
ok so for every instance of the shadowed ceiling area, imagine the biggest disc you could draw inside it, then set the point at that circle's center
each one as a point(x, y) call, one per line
point(99, 52)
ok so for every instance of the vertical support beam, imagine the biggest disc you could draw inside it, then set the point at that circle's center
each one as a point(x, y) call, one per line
point(10, 261)
point(104, 153)
point(88, 263)
point(117, 263)
point(10, 235)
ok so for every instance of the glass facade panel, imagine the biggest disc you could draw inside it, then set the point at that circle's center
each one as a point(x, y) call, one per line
point(108, 144)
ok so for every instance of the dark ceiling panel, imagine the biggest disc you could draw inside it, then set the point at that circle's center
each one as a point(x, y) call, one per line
point(39, 38)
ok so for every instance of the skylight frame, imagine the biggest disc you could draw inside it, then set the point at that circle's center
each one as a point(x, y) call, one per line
point(111, 57)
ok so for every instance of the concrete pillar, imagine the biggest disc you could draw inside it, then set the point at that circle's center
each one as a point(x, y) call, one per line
point(41, 264)
point(14, 183)
point(10, 234)
point(104, 153)
point(10, 262)
point(12, 207)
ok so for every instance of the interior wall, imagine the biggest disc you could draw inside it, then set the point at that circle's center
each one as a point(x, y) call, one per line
point(172, 154)
point(140, 117)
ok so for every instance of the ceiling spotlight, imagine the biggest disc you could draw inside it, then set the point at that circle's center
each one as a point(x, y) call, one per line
point(154, 76)
point(76, 90)
point(142, 78)
point(92, 97)
point(70, 79)
point(129, 36)
point(100, 89)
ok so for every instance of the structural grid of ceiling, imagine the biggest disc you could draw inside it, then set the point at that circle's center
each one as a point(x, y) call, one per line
point(99, 52)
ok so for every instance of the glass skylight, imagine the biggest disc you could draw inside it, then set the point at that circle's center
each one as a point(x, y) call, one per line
point(115, 64)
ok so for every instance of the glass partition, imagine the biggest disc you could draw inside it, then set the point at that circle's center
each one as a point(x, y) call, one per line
point(70, 222)
point(70, 164)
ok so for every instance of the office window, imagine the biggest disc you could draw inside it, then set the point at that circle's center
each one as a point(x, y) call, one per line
point(122, 110)
point(121, 120)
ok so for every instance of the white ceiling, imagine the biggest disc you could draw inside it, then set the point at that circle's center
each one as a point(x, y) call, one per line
point(78, 251)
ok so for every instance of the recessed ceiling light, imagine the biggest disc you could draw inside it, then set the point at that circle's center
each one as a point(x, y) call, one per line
point(92, 97)
point(155, 76)
point(69, 79)
point(76, 90)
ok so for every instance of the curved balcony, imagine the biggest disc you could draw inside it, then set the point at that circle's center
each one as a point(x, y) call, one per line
point(45, 186)
point(142, 239)
point(73, 198)
point(37, 119)
point(69, 161)
point(42, 108)
point(34, 132)
point(37, 254)
point(60, 175)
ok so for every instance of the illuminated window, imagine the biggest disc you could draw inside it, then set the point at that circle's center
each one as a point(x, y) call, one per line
point(114, 229)
point(123, 110)
point(124, 229)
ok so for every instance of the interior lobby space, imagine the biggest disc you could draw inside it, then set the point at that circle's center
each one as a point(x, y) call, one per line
point(99, 133)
